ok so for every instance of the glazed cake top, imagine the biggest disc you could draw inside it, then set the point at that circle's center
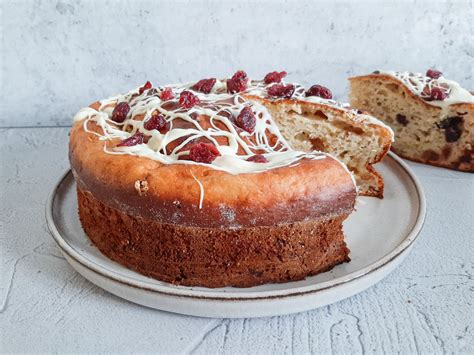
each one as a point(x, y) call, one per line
point(211, 122)
point(432, 87)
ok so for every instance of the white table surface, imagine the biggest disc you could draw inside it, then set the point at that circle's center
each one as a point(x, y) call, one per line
point(425, 306)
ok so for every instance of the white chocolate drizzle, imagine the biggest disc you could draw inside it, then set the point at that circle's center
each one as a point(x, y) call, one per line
point(421, 85)
point(259, 89)
point(172, 146)
point(201, 190)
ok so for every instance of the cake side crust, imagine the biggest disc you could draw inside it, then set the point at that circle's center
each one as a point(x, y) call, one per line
point(213, 257)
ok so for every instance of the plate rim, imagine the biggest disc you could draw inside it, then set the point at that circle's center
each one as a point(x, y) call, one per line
point(218, 294)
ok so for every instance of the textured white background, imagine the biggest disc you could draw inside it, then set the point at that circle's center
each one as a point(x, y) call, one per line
point(58, 56)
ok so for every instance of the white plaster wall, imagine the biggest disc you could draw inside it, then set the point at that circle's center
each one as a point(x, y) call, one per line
point(58, 56)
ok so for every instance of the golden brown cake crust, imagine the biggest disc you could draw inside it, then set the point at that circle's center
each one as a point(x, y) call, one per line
point(148, 189)
point(214, 257)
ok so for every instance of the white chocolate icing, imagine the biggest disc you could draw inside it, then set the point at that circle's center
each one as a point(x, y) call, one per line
point(421, 86)
point(218, 105)
point(259, 89)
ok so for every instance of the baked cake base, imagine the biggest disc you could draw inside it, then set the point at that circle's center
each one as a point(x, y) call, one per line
point(214, 257)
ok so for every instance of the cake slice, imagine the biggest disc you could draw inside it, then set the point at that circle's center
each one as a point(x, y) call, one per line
point(312, 120)
point(433, 117)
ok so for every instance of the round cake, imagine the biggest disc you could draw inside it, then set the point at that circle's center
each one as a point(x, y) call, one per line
point(194, 184)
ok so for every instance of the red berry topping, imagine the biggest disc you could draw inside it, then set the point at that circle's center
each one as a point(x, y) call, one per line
point(187, 99)
point(280, 90)
point(437, 94)
point(205, 85)
point(274, 77)
point(238, 82)
point(246, 119)
point(321, 91)
point(137, 138)
point(203, 153)
point(120, 112)
point(158, 122)
point(166, 94)
point(147, 86)
point(258, 158)
point(433, 74)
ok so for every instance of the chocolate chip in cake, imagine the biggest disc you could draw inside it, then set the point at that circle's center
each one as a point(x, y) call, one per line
point(452, 128)
point(402, 119)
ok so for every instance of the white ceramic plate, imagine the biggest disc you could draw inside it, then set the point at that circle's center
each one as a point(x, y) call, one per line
point(380, 234)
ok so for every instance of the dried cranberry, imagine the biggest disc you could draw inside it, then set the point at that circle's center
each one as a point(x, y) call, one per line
point(145, 87)
point(437, 94)
point(320, 91)
point(166, 94)
point(120, 112)
point(280, 90)
point(246, 119)
point(158, 122)
point(205, 85)
point(274, 77)
point(187, 99)
point(203, 153)
point(402, 119)
point(258, 158)
point(238, 82)
point(433, 74)
point(452, 127)
point(137, 138)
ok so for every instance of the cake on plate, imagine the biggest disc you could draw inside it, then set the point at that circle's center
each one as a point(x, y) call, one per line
point(195, 184)
point(433, 117)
